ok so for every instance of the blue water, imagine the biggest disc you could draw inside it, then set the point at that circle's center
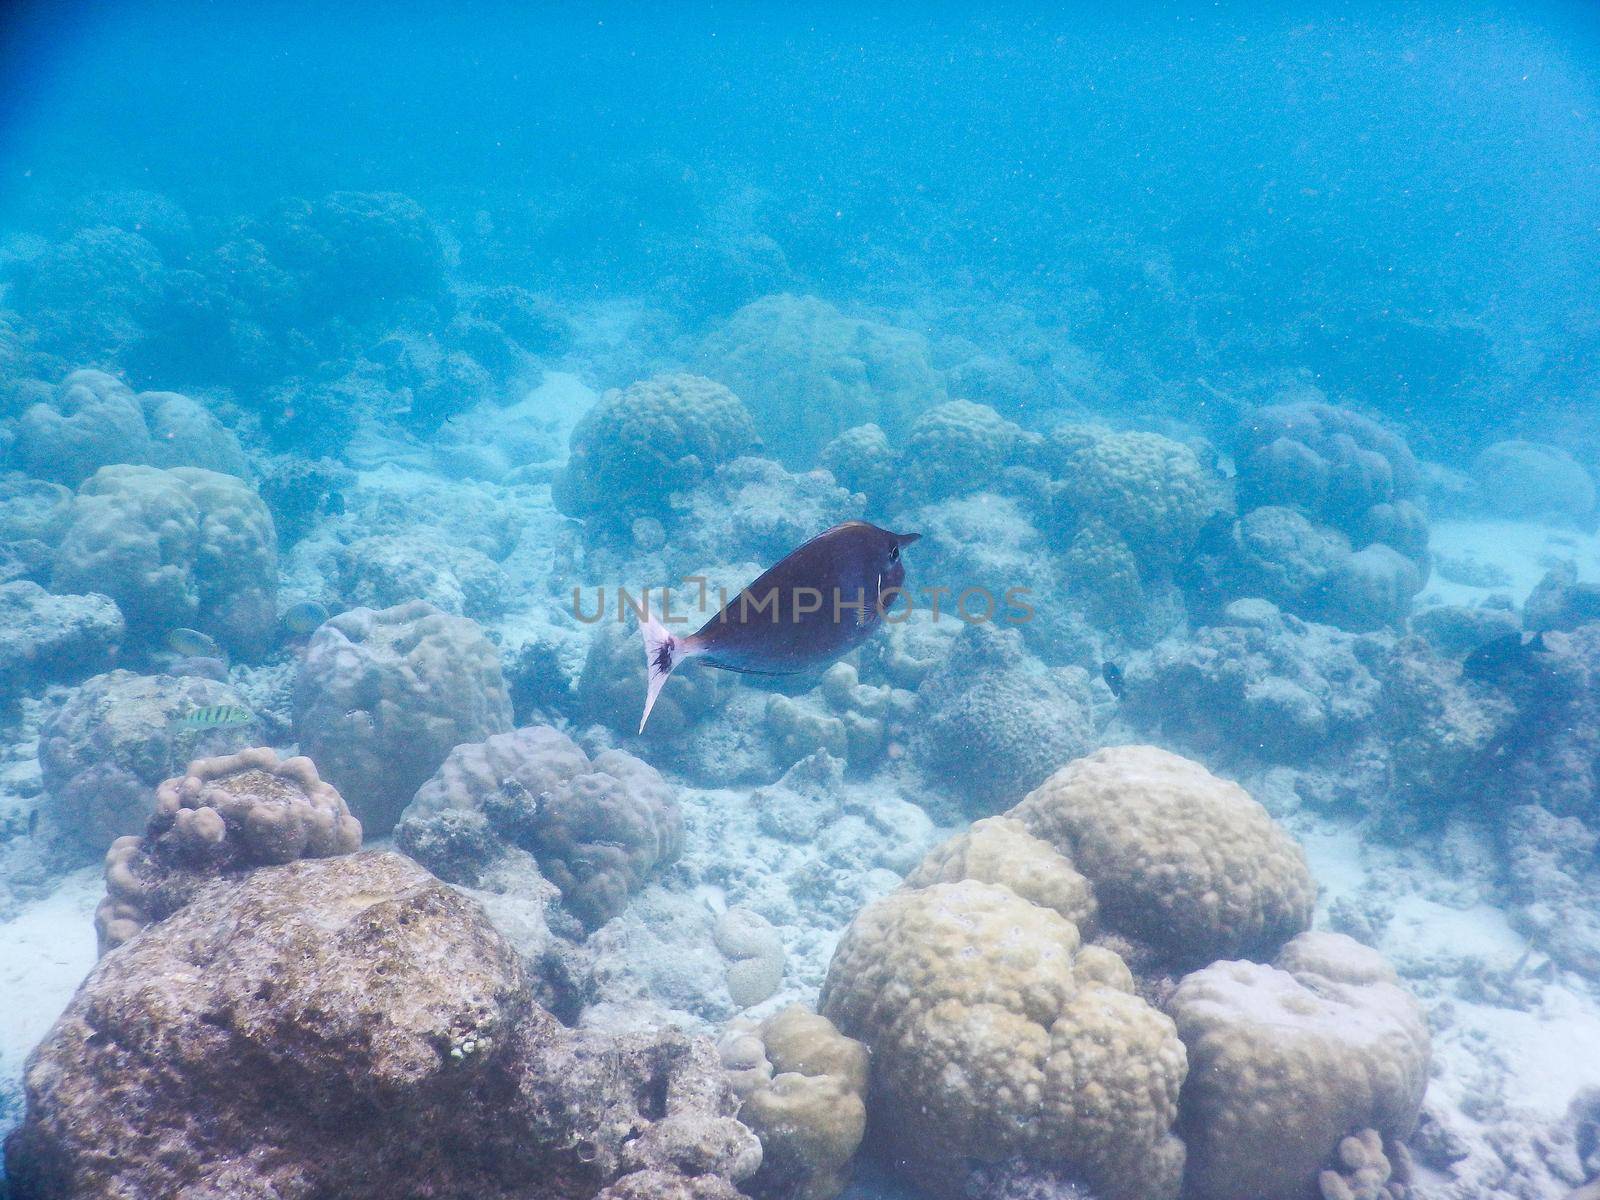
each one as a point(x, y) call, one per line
point(1251, 353)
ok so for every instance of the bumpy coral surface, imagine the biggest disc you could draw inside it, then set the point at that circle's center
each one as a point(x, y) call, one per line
point(384, 695)
point(104, 751)
point(807, 372)
point(346, 1026)
point(994, 722)
point(597, 827)
point(45, 638)
point(1001, 850)
point(802, 1086)
point(994, 1033)
point(92, 421)
point(178, 547)
point(1259, 682)
point(1178, 858)
point(389, 569)
point(862, 460)
point(1530, 479)
point(1151, 490)
point(638, 445)
point(957, 447)
point(223, 816)
point(1286, 1060)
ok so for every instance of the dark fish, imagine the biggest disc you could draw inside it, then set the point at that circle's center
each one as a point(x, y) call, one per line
point(216, 716)
point(1494, 660)
point(818, 603)
point(304, 617)
point(1112, 674)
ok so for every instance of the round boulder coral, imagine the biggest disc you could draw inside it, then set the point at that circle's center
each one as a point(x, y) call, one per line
point(223, 816)
point(384, 695)
point(807, 372)
point(1150, 489)
point(994, 1034)
point(178, 547)
point(1287, 1060)
point(862, 460)
point(994, 721)
point(92, 421)
point(598, 827)
point(1179, 859)
point(1001, 850)
point(957, 447)
point(1529, 479)
point(637, 446)
point(802, 1086)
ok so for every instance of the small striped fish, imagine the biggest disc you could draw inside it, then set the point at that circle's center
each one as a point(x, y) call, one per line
point(216, 716)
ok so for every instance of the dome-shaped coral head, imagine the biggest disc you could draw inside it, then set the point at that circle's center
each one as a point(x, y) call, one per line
point(817, 603)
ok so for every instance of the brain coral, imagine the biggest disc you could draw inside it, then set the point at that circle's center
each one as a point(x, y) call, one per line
point(223, 816)
point(383, 695)
point(994, 1033)
point(637, 446)
point(597, 827)
point(1286, 1060)
point(1179, 858)
point(995, 722)
point(104, 750)
point(1001, 850)
point(957, 447)
point(1150, 489)
point(177, 547)
point(807, 372)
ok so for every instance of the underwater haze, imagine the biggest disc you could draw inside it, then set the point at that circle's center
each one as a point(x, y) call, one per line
point(897, 602)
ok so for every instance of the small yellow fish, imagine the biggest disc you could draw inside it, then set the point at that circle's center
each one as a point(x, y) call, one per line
point(191, 643)
point(215, 716)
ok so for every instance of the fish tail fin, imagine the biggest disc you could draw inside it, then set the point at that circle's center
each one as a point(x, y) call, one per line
point(662, 652)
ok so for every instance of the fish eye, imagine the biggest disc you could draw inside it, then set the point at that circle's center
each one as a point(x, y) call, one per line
point(894, 553)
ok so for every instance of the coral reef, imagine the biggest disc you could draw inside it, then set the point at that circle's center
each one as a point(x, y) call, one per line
point(995, 1033)
point(994, 722)
point(393, 568)
point(802, 1087)
point(383, 695)
point(116, 738)
point(807, 372)
point(348, 1024)
point(956, 448)
point(1285, 1061)
point(178, 547)
point(1001, 850)
point(223, 817)
point(862, 460)
point(754, 950)
point(597, 827)
point(46, 638)
point(1147, 489)
point(637, 446)
point(1178, 858)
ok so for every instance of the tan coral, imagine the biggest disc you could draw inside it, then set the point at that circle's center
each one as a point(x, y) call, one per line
point(803, 1086)
point(1289, 1059)
point(224, 815)
point(1178, 858)
point(995, 1034)
point(1001, 850)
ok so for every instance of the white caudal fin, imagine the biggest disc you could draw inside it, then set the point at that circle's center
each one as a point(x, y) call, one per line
point(660, 656)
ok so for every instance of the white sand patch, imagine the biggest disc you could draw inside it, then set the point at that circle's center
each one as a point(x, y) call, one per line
point(45, 952)
point(1519, 552)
